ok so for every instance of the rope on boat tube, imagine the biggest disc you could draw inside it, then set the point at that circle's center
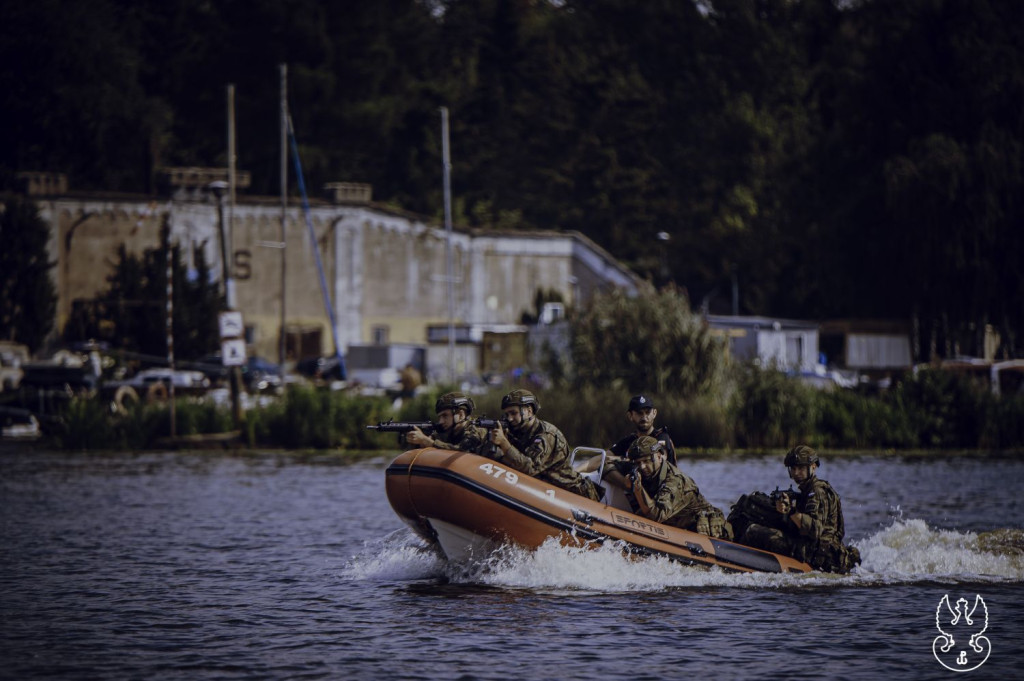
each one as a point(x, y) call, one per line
point(408, 478)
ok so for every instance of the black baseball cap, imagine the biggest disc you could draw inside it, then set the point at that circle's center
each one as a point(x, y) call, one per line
point(638, 402)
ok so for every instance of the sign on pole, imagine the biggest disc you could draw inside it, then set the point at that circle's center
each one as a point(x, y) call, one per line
point(232, 352)
point(232, 342)
point(231, 325)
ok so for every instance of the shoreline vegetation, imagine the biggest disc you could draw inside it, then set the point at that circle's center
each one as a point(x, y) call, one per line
point(929, 414)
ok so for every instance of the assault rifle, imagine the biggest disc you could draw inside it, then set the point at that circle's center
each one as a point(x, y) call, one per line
point(788, 495)
point(392, 426)
point(489, 424)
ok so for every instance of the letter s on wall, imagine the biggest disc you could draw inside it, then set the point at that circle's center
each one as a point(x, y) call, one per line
point(243, 264)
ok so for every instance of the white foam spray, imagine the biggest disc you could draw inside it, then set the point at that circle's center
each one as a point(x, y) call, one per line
point(904, 552)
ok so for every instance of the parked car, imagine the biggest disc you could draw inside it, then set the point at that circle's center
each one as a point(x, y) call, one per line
point(258, 374)
point(58, 378)
point(12, 357)
point(18, 424)
point(184, 379)
point(326, 368)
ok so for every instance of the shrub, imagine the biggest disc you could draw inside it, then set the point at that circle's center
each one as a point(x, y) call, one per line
point(771, 409)
point(944, 409)
point(852, 419)
point(650, 342)
point(307, 417)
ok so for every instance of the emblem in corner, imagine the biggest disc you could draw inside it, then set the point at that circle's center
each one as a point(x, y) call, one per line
point(960, 646)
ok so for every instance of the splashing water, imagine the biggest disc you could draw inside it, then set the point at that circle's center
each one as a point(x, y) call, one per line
point(910, 550)
point(400, 555)
point(905, 552)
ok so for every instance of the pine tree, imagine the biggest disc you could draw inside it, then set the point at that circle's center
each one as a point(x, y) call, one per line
point(28, 297)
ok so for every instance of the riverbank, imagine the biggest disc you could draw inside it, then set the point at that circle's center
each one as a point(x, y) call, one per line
point(771, 413)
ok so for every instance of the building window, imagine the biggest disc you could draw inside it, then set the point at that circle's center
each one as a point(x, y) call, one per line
point(380, 335)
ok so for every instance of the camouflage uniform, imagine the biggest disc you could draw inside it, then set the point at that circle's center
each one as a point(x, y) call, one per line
point(819, 539)
point(541, 450)
point(661, 434)
point(463, 436)
point(678, 502)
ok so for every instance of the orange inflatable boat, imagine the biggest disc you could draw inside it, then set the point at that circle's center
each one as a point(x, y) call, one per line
point(468, 504)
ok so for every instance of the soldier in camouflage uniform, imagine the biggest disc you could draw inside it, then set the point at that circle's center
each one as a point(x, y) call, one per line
point(812, 520)
point(536, 447)
point(455, 430)
point(659, 491)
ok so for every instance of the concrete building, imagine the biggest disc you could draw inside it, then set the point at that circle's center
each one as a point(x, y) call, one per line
point(384, 271)
point(872, 347)
point(785, 344)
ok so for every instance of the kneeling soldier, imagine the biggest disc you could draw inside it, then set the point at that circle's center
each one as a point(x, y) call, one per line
point(536, 447)
point(659, 491)
point(808, 525)
point(454, 430)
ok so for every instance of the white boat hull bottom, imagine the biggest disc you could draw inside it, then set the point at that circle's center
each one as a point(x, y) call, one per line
point(460, 545)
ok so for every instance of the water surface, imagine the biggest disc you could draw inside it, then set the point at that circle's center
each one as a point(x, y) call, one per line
point(199, 565)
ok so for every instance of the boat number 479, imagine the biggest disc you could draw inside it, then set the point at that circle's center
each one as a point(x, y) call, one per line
point(498, 472)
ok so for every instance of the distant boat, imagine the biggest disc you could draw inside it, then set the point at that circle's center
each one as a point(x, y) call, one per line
point(468, 504)
point(19, 425)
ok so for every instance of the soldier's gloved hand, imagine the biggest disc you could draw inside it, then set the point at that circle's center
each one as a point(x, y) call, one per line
point(633, 480)
point(498, 438)
point(418, 437)
point(782, 505)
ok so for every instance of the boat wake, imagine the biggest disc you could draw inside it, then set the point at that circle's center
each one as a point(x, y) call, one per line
point(908, 551)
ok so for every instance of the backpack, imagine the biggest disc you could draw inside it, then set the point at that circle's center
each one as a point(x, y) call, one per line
point(755, 508)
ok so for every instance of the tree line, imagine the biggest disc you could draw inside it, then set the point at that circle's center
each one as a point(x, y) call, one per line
point(829, 158)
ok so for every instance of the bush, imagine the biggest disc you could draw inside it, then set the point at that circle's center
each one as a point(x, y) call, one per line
point(650, 342)
point(767, 409)
point(944, 409)
point(771, 409)
point(588, 418)
point(852, 419)
point(86, 424)
point(307, 417)
point(1004, 428)
point(194, 417)
point(695, 423)
point(597, 418)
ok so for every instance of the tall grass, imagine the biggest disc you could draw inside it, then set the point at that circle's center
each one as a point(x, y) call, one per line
point(766, 409)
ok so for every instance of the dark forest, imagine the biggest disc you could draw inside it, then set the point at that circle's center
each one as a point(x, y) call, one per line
point(831, 159)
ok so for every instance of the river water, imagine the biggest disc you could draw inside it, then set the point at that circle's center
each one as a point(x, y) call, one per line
point(279, 566)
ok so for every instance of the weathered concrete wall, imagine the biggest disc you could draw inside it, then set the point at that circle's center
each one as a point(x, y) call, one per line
point(386, 273)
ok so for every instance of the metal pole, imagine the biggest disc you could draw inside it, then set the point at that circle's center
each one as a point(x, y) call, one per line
point(284, 211)
point(170, 321)
point(232, 180)
point(234, 372)
point(735, 291)
point(446, 160)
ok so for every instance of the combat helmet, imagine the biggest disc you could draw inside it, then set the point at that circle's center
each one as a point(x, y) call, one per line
point(454, 401)
point(801, 455)
point(520, 398)
point(644, 446)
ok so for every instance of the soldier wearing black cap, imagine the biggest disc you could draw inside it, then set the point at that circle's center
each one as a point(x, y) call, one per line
point(641, 413)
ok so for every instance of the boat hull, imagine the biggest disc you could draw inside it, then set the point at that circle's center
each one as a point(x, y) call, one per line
point(467, 504)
